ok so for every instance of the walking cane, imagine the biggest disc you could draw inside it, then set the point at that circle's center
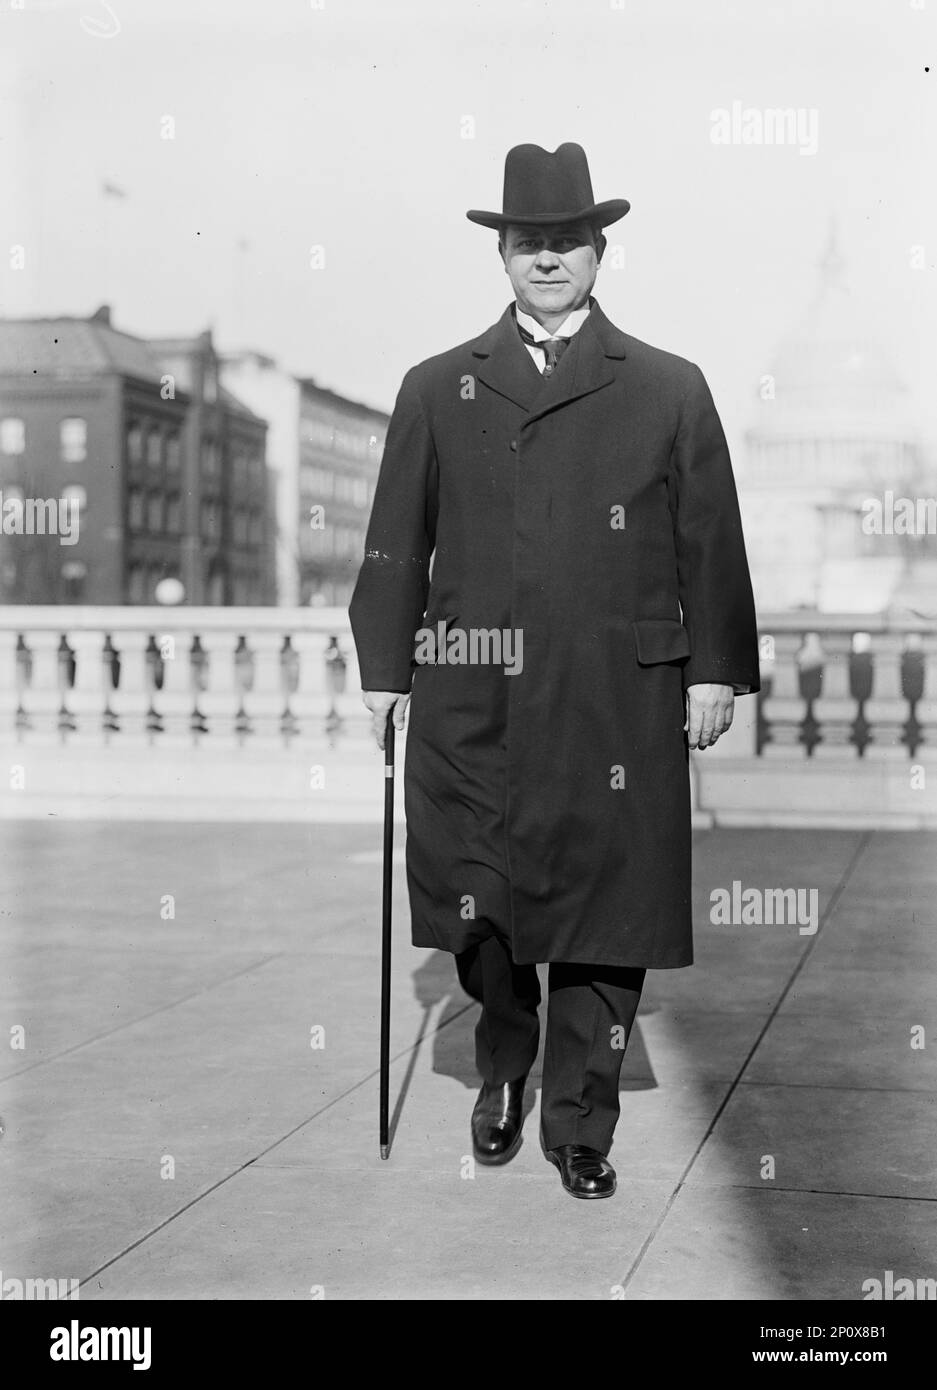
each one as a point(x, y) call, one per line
point(385, 928)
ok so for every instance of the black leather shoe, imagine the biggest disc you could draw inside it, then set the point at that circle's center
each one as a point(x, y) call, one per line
point(497, 1120)
point(584, 1172)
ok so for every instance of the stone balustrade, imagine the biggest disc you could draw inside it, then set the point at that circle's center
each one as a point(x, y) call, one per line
point(838, 687)
point(107, 672)
point(843, 732)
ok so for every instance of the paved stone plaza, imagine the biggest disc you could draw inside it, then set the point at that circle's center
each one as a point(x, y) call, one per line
point(193, 1110)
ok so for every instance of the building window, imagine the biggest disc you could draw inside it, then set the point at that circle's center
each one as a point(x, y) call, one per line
point(154, 512)
point(137, 583)
point(173, 513)
point(353, 490)
point(318, 481)
point(209, 519)
point(135, 509)
point(12, 436)
point(14, 501)
point(74, 574)
point(256, 529)
point(173, 453)
point(73, 440)
point(208, 458)
point(240, 528)
point(135, 442)
point(154, 448)
point(77, 499)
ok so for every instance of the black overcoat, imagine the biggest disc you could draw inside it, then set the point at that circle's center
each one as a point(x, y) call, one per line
point(595, 513)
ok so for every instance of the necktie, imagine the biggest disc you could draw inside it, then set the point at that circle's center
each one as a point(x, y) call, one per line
point(553, 348)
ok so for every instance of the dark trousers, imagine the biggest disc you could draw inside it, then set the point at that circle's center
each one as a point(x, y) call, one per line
point(590, 1012)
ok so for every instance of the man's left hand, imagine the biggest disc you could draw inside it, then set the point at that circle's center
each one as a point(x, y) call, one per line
point(709, 710)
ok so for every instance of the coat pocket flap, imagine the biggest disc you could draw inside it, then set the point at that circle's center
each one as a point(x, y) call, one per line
point(660, 639)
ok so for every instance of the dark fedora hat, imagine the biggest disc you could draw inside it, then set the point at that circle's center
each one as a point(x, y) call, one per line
point(541, 188)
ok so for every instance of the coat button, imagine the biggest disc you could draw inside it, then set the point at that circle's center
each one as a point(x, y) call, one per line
point(514, 446)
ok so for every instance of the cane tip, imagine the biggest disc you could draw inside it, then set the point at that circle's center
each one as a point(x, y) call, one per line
point(385, 1151)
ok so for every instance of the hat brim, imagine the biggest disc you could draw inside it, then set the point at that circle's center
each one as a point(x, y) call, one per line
point(602, 213)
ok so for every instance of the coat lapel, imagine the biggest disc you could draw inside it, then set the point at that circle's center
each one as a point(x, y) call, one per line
point(505, 364)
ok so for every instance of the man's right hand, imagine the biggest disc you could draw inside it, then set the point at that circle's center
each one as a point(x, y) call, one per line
point(380, 703)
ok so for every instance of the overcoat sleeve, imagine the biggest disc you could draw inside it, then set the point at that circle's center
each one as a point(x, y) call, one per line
point(390, 594)
point(714, 583)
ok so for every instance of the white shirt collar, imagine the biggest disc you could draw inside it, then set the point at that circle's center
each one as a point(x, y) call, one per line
point(570, 325)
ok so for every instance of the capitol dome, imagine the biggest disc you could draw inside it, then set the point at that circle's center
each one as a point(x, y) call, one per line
point(830, 373)
point(835, 429)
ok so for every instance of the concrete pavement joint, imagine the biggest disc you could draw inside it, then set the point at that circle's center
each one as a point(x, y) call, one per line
point(839, 1086)
point(812, 1192)
point(132, 1022)
point(248, 1163)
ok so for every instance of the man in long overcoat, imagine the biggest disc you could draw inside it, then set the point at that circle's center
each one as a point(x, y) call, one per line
point(555, 573)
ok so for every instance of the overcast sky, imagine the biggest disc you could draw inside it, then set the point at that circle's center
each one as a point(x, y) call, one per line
point(341, 126)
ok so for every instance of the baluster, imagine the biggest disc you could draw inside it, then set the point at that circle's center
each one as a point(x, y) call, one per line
point(785, 708)
point(912, 685)
point(24, 678)
point(199, 670)
point(175, 702)
point(289, 684)
point(154, 673)
point(66, 667)
point(85, 701)
point(130, 698)
point(335, 679)
point(216, 698)
point(43, 704)
point(110, 670)
point(836, 708)
point(927, 705)
point(860, 684)
point(887, 709)
point(244, 683)
point(810, 659)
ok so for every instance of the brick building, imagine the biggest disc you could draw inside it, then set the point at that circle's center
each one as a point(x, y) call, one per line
point(166, 468)
point(341, 443)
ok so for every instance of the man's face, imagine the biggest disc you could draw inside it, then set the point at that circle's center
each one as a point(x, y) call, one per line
point(552, 268)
